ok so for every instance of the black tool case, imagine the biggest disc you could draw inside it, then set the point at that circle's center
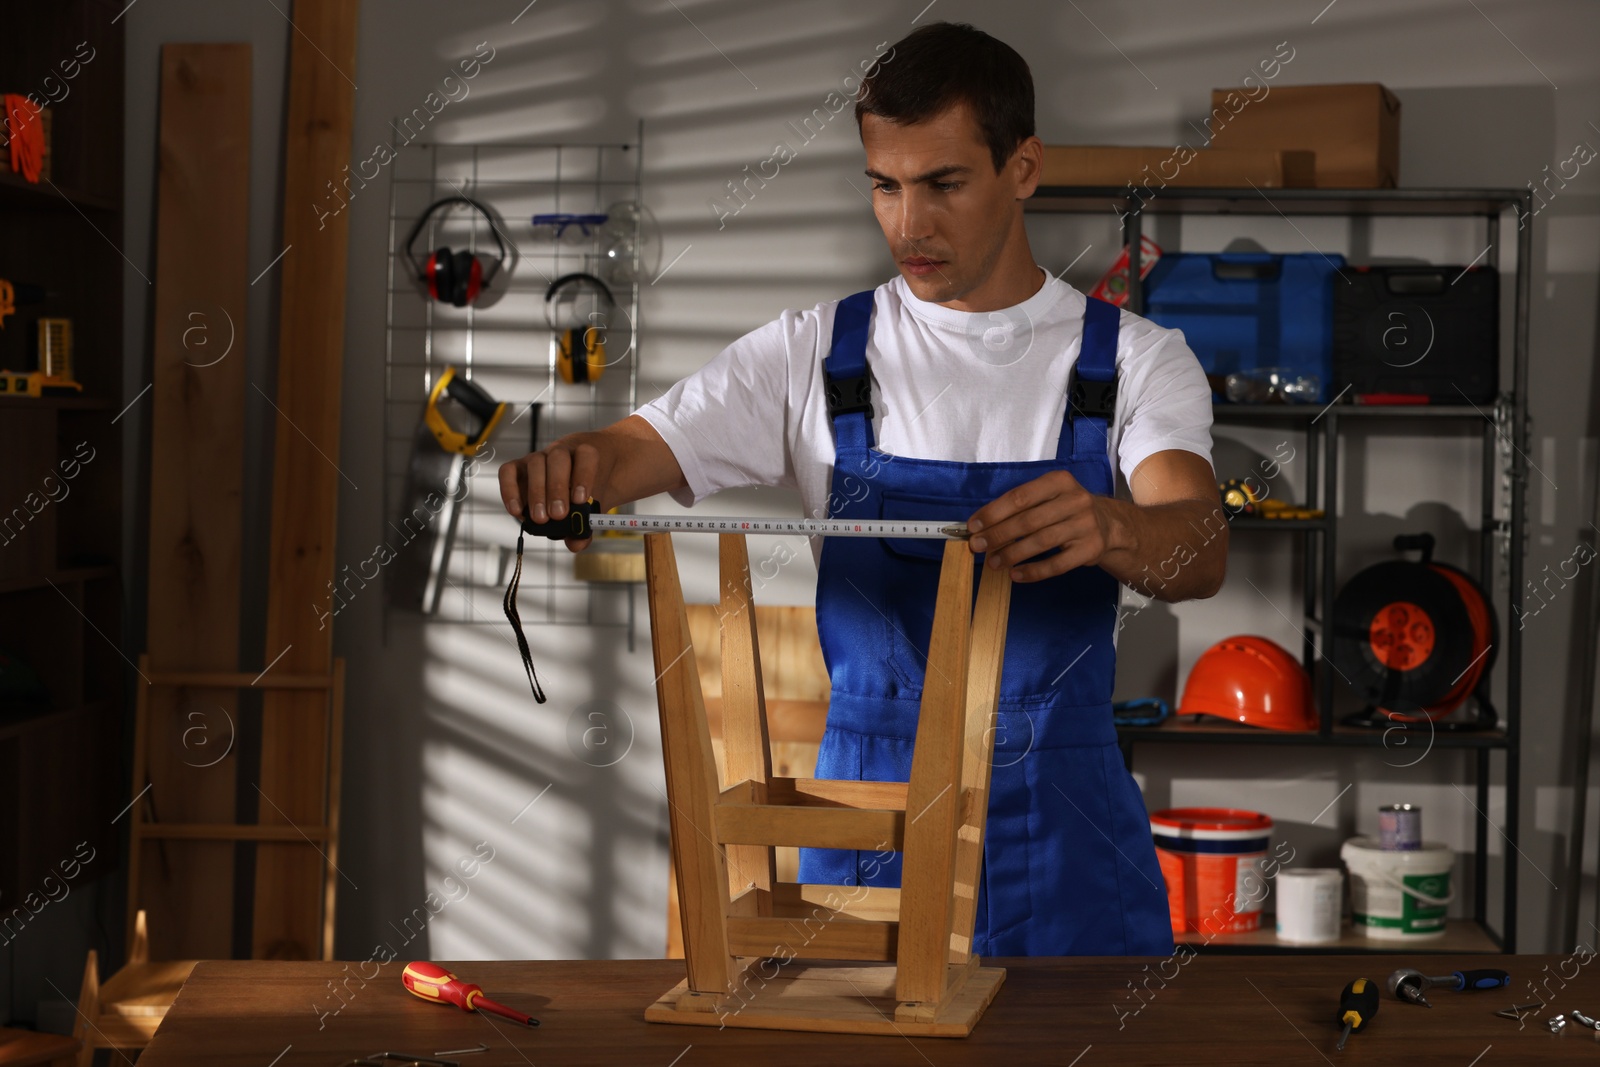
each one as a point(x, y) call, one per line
point(1427, 330)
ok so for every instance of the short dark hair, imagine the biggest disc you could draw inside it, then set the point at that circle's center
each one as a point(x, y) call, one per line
point(943, 63)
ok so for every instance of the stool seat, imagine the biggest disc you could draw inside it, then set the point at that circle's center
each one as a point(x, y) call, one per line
point(20, 1048)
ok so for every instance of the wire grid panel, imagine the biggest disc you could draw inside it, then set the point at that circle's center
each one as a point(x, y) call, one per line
point(503, 343)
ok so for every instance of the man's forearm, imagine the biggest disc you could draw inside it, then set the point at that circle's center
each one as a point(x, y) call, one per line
point(1172, 552)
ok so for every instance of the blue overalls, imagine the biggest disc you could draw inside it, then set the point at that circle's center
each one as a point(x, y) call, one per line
point(1069, 867)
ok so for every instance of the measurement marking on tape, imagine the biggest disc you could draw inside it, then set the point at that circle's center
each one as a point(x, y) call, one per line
point(808, 527)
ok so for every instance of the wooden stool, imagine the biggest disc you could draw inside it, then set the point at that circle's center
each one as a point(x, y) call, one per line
point(27, 1048)
point(124, 1012)
point(795, 684)
point(743, 929)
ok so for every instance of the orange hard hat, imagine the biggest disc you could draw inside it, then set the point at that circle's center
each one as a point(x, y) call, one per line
point(1251, 680)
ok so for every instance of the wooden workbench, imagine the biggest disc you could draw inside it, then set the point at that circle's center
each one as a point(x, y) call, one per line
point(1219, 1011)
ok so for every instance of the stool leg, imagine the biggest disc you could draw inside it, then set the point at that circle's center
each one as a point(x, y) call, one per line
point(746, 749)
point(691, 778)
point(933, 797)
point(977, 756)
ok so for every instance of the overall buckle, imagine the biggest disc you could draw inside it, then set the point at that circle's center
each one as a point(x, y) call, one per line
point(846, 396)
point(1092, 398)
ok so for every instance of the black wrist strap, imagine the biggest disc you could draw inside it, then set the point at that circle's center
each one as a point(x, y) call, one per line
point(510, 605)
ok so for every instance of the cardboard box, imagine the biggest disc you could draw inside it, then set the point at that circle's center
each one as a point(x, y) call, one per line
point(1353, 129)
point(1179, 165)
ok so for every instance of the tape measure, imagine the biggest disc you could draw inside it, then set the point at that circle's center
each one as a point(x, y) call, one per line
point(582, 521)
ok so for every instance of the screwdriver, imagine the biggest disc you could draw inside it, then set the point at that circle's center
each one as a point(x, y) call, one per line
point(432, 982)
point(1357, 1005)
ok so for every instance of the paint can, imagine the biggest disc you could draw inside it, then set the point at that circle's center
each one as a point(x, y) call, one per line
point(1400, 827)
point(1399, 895)
point(1310, 905)
point(1211, 860)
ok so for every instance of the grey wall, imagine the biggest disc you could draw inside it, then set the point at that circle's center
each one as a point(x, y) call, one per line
point(444, 748)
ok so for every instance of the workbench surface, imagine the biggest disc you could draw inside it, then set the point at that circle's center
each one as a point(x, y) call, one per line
point(1214, 1011)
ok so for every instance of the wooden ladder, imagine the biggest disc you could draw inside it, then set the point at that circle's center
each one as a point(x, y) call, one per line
point(323, 836)
point(749, 940)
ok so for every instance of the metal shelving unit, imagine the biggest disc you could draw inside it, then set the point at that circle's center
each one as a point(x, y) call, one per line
point(1503, 459)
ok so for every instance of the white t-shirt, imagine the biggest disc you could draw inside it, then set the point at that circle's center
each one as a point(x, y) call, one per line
point(946, 385)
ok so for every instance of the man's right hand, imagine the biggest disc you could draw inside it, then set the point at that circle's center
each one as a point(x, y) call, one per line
point(617, 465)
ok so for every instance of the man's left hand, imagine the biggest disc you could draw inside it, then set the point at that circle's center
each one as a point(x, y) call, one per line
point(1052, 511)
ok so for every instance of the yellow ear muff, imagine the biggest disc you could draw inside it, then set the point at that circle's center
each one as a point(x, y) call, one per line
point(589, 363)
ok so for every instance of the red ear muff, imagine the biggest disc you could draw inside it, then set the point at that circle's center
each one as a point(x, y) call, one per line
point(456, 278)
point(466, 274)
point(441, 274)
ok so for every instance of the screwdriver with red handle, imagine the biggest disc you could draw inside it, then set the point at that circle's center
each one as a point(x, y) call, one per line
point(432, 982)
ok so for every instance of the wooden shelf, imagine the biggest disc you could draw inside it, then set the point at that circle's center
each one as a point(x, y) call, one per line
point(63, 576)
point(16, 724)
point(17, 192)
point(1461, 936)
point(60, 402)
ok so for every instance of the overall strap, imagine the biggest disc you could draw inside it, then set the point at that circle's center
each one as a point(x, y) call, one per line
point(848, 384)
point(1092, 389)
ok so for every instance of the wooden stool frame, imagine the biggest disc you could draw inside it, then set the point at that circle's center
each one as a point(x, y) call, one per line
point(749, 939)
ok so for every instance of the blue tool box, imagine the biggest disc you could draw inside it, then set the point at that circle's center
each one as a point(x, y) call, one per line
point(1243, 310)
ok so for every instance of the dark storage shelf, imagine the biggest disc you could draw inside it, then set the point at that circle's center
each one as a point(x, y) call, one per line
point(1343, 736)
point(64, 576)
point(1461, 937)
point(1245, 522)
point(1177, 200)
point(1314, 412)
point(13, 724)
point(1323, 428)
point(60, 402)
point(17, 192)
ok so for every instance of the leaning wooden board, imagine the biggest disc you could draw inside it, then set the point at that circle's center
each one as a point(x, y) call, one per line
point(289, 906)
point(196, 484)
point(1242, 1011)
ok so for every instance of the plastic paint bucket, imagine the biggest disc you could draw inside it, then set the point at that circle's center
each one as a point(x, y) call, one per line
point(1399, 896)
point(1211, 860)
point(1310, 904)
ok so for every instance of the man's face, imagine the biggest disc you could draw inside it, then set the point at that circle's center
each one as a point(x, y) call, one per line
point(946, 214)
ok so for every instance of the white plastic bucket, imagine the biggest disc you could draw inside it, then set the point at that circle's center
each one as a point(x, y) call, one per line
point(1398, 896)
point(1310, 905)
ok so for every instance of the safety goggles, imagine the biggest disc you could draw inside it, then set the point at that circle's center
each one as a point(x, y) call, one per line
point(566, 228)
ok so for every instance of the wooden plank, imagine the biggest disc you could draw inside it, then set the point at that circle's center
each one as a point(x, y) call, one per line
point(792, 667)
point(836, 793)
point(306, 479)
point(823, 936)
point(776, 824)
point(957, 975)
point(330, 884)
point(199, 330)
point(819, 793)
point(844, 1000)
point(135, 923)
point(800, 721)
point(747, 755)
point(230, 831)
point(691, 777)
point(934, 794)
point(977, 759)
point(240, 680)
point(860, 901)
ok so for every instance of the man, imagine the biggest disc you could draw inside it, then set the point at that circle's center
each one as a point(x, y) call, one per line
point(939, 395)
